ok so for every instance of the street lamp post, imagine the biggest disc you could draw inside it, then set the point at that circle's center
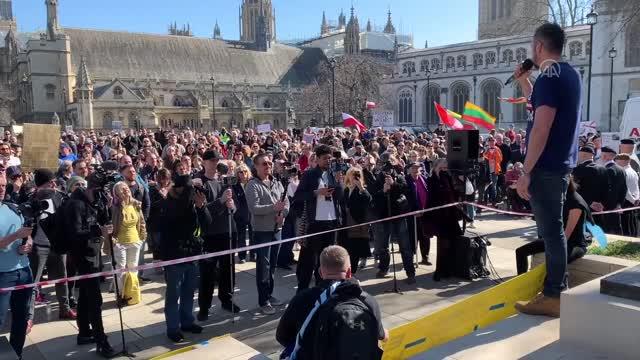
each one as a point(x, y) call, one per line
point(213, 103)
point(592, 19)
point(612, 55)
point(332, 65)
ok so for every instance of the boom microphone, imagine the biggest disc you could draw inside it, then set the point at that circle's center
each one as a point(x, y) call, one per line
point(526, 65)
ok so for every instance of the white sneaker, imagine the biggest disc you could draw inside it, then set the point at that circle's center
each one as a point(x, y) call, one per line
point(268, 310)
point(363, 263)
point(275, 301)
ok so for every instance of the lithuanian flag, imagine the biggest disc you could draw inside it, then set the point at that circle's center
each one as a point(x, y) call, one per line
point(476, 115)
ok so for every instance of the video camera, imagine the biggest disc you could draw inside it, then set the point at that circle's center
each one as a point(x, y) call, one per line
point(31, 211)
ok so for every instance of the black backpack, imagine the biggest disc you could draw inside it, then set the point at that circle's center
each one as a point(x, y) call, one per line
point(346, 329)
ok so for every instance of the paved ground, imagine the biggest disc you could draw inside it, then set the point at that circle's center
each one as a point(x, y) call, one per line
point(145, 328)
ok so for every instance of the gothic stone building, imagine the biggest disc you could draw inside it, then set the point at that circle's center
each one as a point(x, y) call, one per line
point(107, 79)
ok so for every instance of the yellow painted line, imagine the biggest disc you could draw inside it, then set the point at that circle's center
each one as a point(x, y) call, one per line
point(463, 318)
point(187, 348)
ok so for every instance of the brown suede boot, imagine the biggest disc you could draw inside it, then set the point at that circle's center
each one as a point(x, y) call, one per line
point(540, 305)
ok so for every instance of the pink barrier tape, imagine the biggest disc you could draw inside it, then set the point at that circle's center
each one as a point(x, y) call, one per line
point(277, 242)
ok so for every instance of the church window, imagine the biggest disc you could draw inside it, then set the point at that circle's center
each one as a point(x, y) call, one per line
point(575, 49)
point(451, 62)
point(459, 96)
point(225, 103)
point(521, 54)
point(507, 56)
point(477, 60)
point(50, 90)
point(409, 67)
point(405, 107)
point(117, 92)
point(424, 65)
point(462, 61)
point(435, 64)
point(432, 94)
point(490, 94)
point(632, 46)
point(107, 120)
point(490, 57)
point(267, 104)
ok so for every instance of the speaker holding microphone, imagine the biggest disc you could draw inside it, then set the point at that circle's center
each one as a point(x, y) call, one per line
point(526, 65)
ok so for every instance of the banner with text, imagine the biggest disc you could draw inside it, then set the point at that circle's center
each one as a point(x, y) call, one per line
point(382, 118)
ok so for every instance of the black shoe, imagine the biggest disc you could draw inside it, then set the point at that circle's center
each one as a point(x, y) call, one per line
point(382, 274)
point(425, 261)
point(85, 340)
point(73, 303)
point(436, 277)
point(194, 329)
point(105, 350)
point(411, 279)
point(229, 305)
point(203, 315)
point(144, 280)
point(176, 337)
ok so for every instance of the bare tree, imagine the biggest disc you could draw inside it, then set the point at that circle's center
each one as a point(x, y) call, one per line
point(358, 79)
point(568, 12)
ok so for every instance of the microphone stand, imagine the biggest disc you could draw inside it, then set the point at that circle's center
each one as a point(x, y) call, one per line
point(393, 259)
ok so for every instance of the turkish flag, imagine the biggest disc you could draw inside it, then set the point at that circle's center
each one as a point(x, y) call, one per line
point(349, 121)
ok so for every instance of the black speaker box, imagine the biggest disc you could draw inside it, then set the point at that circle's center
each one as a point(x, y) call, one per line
point(463, 146)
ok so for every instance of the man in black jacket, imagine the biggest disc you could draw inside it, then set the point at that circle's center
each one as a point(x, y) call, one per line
point(592, 179)
point(320, 193)
point(335, 268)
point(617, 191)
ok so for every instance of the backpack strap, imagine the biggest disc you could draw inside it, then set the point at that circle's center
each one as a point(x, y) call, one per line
point(324, 297)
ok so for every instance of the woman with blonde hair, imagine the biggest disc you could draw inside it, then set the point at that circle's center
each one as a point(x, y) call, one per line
point(356, 201)
point(129, 230)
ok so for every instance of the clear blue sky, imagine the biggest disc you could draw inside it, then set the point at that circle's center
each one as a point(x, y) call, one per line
point(440, 22)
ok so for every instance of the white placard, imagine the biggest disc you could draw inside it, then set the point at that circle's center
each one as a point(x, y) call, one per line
point(263, 128)
point(117, 125)
point(68, 129)
point(587, 127)
point(382, 118)
point(611, 139)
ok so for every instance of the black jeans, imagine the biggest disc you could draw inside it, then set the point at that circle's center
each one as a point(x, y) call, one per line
point(89, 303)
point(630, 221)
point(220, 269)
point(536, 247)
point(244, 229)
point(309, 260)
point(18, 301)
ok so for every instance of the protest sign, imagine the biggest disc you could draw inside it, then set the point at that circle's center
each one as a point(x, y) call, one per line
point(40, 146)
point(263, 128)
point(382, 118)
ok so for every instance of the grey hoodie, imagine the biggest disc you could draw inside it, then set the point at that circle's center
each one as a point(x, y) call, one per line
point(260, 201)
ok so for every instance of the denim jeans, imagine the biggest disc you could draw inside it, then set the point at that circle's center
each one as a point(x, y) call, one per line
point(19, 302)
point(493, 189)
point(182, 282)
point(548, 194)
point(389, 231)
point(56, 266)
point(266, 262)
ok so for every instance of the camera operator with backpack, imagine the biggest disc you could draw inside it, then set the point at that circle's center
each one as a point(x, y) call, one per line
point(335, 320)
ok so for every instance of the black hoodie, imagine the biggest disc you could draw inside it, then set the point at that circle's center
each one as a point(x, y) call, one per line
point(302, 303)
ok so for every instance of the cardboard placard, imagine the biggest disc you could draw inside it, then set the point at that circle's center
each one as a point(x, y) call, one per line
point(41, 143)
point(263, 128)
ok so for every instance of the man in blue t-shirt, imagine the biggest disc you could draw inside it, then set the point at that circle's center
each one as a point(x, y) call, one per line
point(14, 270)
point(552, 147)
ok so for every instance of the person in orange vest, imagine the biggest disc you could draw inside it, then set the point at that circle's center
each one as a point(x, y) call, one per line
point(494, 157)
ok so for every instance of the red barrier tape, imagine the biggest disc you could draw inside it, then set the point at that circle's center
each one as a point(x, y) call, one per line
point(253, 247)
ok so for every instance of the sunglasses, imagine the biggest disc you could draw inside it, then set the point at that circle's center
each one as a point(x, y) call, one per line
point(267, 164)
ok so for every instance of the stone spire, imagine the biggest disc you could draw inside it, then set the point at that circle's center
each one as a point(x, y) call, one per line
point(263, 37)
point(389, 28)
point(83, 80)
point(53, 27)
point(324, 28)
point(352, 35)
point(342, 20)
point(216, 31)
point(369, 27)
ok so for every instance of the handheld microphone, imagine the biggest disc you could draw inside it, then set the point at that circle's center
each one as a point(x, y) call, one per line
point(527, 65)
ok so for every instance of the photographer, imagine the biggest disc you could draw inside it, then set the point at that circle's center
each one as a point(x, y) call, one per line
point(43, 253)
point(268, 205)
point(86, 221)
point(320, 194)
point(14, 269)
point(221, 206)
point(389, 200)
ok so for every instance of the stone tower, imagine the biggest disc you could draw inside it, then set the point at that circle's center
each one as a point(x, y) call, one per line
point(216, 31)
point(389, 28)
point(250, 13)
point(342, 20)
point(7, 21)
point(263, 37)
point(499, 18)
point(352, 35)
point(369, 27)
point(324, 28)
point(84, 97)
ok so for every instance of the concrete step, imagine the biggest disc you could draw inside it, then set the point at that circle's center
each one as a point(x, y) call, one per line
point(220, 348)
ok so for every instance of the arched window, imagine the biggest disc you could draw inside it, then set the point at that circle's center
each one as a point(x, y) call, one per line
point(405, 107)
point(632, 44)
point(507, 56)
point(435, 64)
point(107, 120)
point(430, 95)
point(450, 63)
point(267, 104)
point(575, 49)
point(225, 103)
point(490, 58)
point(462, 61)
point(477, 60)
point(521, 54)
point(134, 120)
point(459, 96)
point(490, 94)
point(117, 92)
point(519, 110)
point(424, 65)
point(50, 90)
point(409, 67)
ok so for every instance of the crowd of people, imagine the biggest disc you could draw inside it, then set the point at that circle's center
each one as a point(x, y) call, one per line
point(177, 193)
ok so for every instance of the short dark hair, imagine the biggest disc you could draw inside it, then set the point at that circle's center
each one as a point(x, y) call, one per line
point(552, 37)
point(258, 157)
point(76, 162)
point(323, 150)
